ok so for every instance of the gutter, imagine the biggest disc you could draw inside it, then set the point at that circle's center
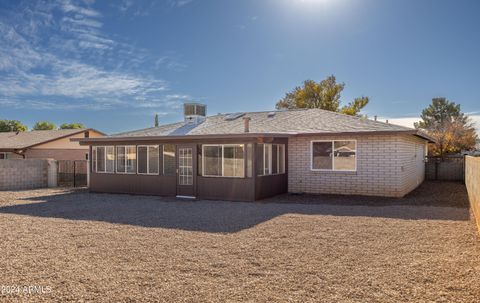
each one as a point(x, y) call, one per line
point(92, 141)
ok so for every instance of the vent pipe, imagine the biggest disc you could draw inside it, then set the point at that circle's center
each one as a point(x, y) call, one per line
point(246, 124)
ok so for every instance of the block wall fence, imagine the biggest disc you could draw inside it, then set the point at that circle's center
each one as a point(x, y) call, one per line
point(472, 181)
point(17, 174)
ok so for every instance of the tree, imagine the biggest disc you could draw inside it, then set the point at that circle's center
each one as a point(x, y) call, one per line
point(324, 95)
point(156, 120)
point(44, 125)
point(452, 129)
point(72, 126)
point(12, 126)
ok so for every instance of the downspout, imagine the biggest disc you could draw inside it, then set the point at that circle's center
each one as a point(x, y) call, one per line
point(21, 153)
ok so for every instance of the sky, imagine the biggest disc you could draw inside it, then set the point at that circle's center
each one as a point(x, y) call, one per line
point(113, 64)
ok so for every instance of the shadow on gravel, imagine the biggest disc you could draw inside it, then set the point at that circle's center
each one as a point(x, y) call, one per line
point(230, 217)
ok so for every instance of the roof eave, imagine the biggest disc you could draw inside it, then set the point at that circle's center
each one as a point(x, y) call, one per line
point(89, 141)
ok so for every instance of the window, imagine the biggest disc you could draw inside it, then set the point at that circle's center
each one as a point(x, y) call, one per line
point(110, 159)
point(103, 159)
point(270, 159)
point(223, 160)
point(169, 166)
point(126, 159)
point(212, 160)
point(233, 161)
point(338, 155)
point(148, 159)
point(3, 156)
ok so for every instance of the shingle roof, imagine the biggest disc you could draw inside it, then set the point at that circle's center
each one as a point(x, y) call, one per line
point(20, 140)
point(293, 122)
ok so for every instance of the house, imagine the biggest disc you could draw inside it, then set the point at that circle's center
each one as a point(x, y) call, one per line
point(42, 144)
point(254, 155)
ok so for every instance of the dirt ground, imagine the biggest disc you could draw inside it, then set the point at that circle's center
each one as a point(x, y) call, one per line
point(100, 247)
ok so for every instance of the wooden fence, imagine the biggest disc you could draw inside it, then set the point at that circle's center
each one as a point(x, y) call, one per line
point(472, 181)
point(449, 168)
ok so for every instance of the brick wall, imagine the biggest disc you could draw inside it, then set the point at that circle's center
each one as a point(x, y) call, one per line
point(472, 181)
point(411, 153)
point(24, 174)
point(387, 165)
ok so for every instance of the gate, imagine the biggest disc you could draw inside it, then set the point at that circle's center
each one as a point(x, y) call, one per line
point(448, 168)
point(72, 173)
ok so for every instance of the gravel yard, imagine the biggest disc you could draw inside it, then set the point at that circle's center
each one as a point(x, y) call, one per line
point(103, 247)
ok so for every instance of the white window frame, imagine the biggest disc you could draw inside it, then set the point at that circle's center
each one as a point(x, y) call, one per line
point(125, 160)
point(223, 160)
point(95, 149)
point(270, 150)
point(5, 155)
point(148, 160)
point(333, 156)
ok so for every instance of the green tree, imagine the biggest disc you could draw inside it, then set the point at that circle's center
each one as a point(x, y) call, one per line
point(156, 120)
point(12, 126)
point(452, 129)
point(44, 125)
point(324, 95)
point(72, 126)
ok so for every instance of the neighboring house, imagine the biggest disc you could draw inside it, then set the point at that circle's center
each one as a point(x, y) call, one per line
point(254, 155)
point(42, 144)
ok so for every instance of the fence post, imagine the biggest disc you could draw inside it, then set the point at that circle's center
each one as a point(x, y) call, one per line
point(88, 172)
point(52, 172)
point(74, 173)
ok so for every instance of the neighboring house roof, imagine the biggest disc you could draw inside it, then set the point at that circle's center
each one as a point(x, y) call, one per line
point(283, 122)
point(22, 140)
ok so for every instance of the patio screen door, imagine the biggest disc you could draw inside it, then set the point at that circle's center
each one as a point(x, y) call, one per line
point(185, 171)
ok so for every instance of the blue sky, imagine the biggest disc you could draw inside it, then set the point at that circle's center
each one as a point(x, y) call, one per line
point(113, 64)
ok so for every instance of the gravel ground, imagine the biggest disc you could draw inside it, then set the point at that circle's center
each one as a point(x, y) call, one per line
point(101, 247)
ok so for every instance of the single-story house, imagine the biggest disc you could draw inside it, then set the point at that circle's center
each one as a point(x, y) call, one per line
point(42, 144)
point(253, 155)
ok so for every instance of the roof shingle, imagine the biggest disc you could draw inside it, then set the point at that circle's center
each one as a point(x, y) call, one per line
point(19, 140)
point(293, 122)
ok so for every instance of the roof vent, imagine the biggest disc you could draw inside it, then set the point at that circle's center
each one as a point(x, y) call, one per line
point(234, 116)
point(271, 114)
point(194, 112)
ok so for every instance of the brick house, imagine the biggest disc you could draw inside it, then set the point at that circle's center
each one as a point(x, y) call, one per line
point(254, 155)
point(43, 144)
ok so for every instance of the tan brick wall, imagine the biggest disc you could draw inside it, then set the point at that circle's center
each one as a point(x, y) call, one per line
point(411, 153)
point(472, 181)
point(387, 165)
point(23, 174)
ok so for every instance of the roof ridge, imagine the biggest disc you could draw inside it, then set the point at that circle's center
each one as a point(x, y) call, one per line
point(362, 118)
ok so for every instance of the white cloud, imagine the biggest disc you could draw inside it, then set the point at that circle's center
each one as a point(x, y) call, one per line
point(57, 56)
point(180, 3)
point(68, 7)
